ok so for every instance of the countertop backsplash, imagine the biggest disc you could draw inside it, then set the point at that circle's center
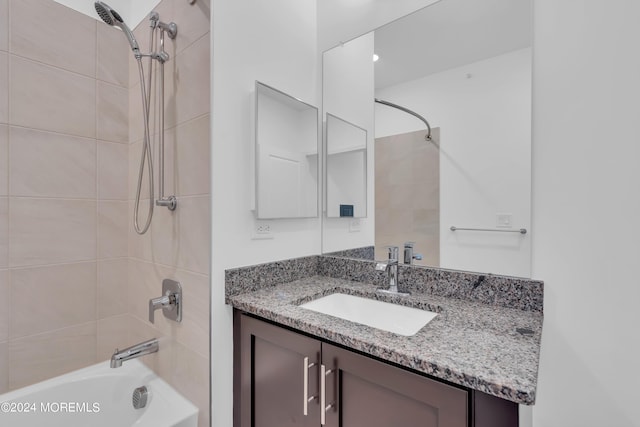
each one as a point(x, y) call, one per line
point(503, 291)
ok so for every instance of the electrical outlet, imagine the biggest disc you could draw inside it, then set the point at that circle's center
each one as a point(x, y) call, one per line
point(262, 231)
point(504, 220)
point(354, 225)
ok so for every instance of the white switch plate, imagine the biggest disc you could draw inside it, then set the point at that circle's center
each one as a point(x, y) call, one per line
point(504, 220)
point(262, 231)
point(354, 225)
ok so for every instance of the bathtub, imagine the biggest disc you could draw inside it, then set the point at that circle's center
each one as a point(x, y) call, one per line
point(98, 396)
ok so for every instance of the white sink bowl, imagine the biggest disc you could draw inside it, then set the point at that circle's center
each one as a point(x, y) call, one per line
point(389, 317)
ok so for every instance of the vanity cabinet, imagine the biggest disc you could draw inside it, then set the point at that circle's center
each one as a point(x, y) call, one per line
point(279, 377)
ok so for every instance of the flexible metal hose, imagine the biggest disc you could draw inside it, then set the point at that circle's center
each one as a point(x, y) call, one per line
point(146, 147)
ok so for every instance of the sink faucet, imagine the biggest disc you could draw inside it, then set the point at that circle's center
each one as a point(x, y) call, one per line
point(391, 267)
point(137, 350)
point(409, 254)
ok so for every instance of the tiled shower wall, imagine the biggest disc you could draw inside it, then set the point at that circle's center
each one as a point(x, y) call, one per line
point(408, 195)
point(73, 273)
point(177, 246)
point(63, 187)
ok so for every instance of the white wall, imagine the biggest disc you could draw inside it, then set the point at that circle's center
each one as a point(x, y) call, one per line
point(586, 152)
point(348, 94)
point(133, 12)
point(342, 20)
point(483, 110)
point(274, 42)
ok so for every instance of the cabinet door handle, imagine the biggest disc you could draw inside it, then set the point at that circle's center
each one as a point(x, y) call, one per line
point(323, 394)
point(305, 392)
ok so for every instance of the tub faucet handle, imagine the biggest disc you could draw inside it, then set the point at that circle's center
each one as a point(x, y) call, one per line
point(170, 302)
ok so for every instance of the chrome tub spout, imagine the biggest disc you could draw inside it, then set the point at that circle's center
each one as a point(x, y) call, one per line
point(137, 350)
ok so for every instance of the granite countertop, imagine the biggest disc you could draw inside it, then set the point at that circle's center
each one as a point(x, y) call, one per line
point(484, 347)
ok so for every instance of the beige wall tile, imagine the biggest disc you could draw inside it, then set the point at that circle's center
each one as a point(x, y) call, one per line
point(193, 332)
point(136, 129)
point(192, 152)
point(4, 87)
point(113, 113)
point(53, 297)
point(194, 231)
point(145, 282)
point(112, 287)
point(39, 357)
point(4, 160)
point(43, 31)
point(140, 330)
point(4, 25)
point(179, 238)
point(112, 334)
point(112, 229)
point(45, 231)
point(45, 164)
point(193, 21)
point(4, 367)
point(139, 245)
point(113, 171)
point(187, 84)
point(5, 306)
point(165, 237)
point(113, 55)
point(188, 372)
point(136, 116)
point(135, 152)
point(4, 232)
point(57, 100)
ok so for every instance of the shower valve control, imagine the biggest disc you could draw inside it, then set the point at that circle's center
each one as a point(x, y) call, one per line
point(170, 302)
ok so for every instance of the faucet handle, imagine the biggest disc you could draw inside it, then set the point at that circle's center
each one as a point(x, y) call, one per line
point(170, 301)
point(156, 303)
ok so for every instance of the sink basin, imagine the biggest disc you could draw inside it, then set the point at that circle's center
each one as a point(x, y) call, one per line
point(389, 317)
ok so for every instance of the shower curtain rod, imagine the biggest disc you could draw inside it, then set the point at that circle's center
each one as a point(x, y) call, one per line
point(406, 110)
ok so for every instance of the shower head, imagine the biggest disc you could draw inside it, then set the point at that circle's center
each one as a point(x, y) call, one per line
point(113, 18)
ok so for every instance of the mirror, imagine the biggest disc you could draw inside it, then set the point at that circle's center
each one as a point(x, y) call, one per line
point(464, 66)
point(346, 160)
point(286, 144)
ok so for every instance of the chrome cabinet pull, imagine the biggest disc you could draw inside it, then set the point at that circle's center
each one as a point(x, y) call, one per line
point(305, 392)
point(323, 394)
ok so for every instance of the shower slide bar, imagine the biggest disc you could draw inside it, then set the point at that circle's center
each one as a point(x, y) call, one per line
point(427, 137)
point(521, 230)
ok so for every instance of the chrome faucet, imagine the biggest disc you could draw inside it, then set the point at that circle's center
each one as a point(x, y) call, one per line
point(391, 267)
point(170, 302)
point(409, 255)
point(137, 350)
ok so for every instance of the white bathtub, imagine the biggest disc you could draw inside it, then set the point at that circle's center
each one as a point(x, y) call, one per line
point(97, 396)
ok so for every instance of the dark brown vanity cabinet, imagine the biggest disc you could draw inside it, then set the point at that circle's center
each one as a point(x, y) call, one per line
point(279, 383)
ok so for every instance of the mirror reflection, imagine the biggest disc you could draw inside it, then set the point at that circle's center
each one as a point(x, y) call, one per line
point(286, 155)
point(465, 67)
point(346, 160)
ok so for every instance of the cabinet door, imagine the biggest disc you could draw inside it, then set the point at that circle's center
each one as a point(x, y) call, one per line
point(272, 376)
point(366, 392)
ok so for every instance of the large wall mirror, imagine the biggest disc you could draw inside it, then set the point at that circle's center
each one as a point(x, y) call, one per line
point(464, 197)
point(286, 143)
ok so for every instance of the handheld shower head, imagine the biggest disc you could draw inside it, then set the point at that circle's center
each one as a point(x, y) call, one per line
point(113, 18)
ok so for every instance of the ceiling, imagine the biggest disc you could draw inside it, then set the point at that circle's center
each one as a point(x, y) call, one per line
point(449, 34)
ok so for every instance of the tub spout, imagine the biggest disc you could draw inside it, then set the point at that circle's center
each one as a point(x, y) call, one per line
point(137, 350)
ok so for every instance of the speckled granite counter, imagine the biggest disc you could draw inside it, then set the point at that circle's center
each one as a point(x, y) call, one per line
point(482, 346)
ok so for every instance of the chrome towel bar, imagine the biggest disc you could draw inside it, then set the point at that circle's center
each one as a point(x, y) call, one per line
point(521, 230)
